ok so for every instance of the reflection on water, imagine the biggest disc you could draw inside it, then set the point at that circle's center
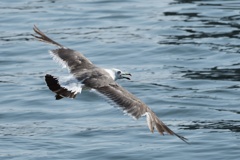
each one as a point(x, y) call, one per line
point(218, 126)
point(214, 74)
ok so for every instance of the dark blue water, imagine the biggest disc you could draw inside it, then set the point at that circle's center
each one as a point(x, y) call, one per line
point(184, 57)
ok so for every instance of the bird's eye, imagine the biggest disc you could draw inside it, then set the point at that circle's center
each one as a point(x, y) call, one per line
point(118, 72)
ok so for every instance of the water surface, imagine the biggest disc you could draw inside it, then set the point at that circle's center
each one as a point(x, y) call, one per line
point(184, 58)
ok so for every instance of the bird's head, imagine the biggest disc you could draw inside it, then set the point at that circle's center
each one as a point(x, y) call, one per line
point(118, 74)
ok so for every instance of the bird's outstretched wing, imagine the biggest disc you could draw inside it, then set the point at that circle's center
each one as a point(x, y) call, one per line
point(131, 105)
point(76, 62)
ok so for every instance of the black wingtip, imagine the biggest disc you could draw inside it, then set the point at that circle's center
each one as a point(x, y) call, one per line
point(58, 97)
point(182, 138)
point(54, 86)
point(52, 83)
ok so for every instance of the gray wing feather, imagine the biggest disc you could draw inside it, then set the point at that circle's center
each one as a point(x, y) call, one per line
point(42, 37)
point(124, 99)
point(135, 107)
point(74, 61)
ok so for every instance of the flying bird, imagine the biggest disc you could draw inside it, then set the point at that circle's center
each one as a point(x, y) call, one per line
point(86, 75)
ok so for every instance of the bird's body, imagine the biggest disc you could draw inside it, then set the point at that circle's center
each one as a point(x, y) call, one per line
point(87, 75)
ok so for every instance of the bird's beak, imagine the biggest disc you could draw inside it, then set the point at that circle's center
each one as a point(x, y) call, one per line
point(124, 75)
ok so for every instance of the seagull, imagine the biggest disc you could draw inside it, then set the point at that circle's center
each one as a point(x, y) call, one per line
point(87, 76)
